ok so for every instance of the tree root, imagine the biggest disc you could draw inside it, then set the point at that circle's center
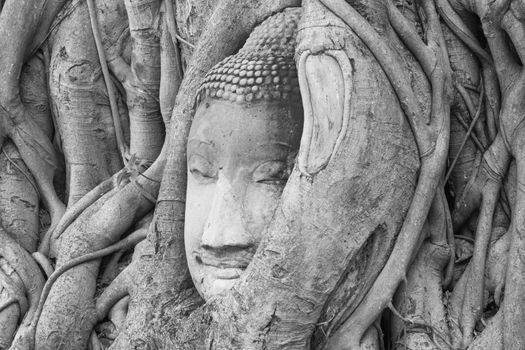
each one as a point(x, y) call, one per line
point(44, 263)
point(33, 144)
point(117, 313)
point(9, 321)
point(124, 152)
point(94, 342)
point(513, 310)
point(420, 299)
point(479, 127)
point(492, 336)
point(170, 63)
point(8, 303)
point(473, 303)
point(11, 287)
point(371, 340)
point(141, 80)
point(469, 131)
point(19, 204)
point(391, 65)
point(128, 241)
point(497, 261)
point(461, 30)
point(22, 262)
point(423, 329)
point(433, 151)
point(512, 79)
point(100, 225)
point(111, 268)
point(117, 290)
point(15, 291)
point(75, 210)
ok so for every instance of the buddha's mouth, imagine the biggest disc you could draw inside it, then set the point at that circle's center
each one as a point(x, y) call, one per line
point(225, 273)
point(224, 266)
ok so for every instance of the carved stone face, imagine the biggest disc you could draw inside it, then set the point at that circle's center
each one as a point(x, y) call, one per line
point(239, 158)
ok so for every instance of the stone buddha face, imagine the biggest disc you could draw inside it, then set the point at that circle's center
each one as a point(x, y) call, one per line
point(239, 158)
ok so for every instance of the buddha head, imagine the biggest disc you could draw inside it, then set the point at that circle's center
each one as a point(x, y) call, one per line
point(241, 148)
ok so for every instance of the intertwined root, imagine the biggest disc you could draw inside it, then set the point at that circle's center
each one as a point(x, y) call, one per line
point(431, 133)
point(40, 157)
point(502, 73)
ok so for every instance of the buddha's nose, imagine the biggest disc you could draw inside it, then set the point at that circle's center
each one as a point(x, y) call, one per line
point(224, 229)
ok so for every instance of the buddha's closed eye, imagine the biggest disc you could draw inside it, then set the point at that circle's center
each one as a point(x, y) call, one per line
point(202, 170)
point(273, 172)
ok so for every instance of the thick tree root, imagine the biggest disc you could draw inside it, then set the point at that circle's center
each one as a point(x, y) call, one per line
point(513, 308)
point(492, 336)
point(130, 240)
point(11, 289)
point(15, 291)
point(111, 268)
point(420, 302)
point(433, 150)
point(19, 202)
point(9, 320)
point(29, 272)
point(117, 314)
point(120, 286)
point(22, 262)
point(80, 103)
point(34, 146)
point(474, 291)
point(141, 80)
point(75, 210)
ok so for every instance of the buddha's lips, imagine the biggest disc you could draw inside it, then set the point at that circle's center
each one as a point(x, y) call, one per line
point(239, 260)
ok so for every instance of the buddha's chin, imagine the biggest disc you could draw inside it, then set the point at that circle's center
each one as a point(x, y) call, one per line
point(221, 286)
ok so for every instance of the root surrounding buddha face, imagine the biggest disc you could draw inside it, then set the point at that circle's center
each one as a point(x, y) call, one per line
point(239, 158)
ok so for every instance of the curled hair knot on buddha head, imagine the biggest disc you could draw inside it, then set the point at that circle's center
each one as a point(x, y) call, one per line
point(263, 70)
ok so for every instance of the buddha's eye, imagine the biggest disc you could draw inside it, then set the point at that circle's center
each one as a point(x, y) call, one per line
point(272, 173)
point(201, 169)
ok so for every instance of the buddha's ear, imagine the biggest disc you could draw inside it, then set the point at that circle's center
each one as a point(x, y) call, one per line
point(325, 77)
point(326, 89)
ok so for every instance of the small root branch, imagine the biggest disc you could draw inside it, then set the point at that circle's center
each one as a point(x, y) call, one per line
point(44, 263)
point(124, 152)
